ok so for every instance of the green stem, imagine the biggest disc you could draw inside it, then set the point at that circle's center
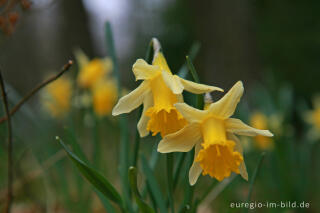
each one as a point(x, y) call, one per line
point(178, 169)
point(124, 140)
point(148, 59)
point(254, 176)
point(170, 157)
point(96, 150)
point(195, 76)
point(136, 144)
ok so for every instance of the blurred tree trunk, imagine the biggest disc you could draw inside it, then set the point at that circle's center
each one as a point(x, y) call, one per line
point(228, 51)
point(43, 41)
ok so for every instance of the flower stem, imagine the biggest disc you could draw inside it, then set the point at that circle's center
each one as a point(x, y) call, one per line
point(254, 176)
point(124, 139)
point(195, 76)
point(148, 59)
point(170, 157)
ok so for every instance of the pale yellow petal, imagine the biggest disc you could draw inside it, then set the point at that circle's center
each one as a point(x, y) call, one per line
point(195, 170)
point(182, 140)
point(142, 70)
point(197, 88)
point(81, 58)
point(238, 147)
point(236, 126)
point(180, 98)
point(142, 124)
point(132, 100)
point(172, 82)
point(160, 61)
point(226, 106)
point(191, 114)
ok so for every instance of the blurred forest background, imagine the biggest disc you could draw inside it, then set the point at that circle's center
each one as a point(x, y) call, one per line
point(245, 40)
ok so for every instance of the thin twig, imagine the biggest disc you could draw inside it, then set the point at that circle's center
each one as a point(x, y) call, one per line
point(36, 89)
point(10, 148)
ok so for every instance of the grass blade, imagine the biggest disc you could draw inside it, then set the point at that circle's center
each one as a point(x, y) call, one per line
point(143, 206)
point(170, 180)
point(96, 179)
point(124, 141)
point(254, 176)
point(148, 59)
point(178, 169)
point(154, 187)
point(195, 76)
point(193, 52)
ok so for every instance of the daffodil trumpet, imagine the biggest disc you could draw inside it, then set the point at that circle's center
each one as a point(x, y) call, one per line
point(158, 93)
point(211, 131)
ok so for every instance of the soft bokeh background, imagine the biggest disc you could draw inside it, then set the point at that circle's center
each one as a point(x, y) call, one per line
point(245, 40)
point(272, 46)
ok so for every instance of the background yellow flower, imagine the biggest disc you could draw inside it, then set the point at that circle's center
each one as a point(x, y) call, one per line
point(57, 97)
point(260, 121)
point(104, 97)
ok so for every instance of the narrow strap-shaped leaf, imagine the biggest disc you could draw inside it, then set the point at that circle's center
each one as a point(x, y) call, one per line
point(154, 187)
point(71, 138)
point(188, 193)
point(124, 139)
point(178, 169)
point(193, 52)
point(254, 176)
point(96, 179)
point(143, 206)
point(148, 59)
point(105, 202)
point(170, 180)
point(195, 76)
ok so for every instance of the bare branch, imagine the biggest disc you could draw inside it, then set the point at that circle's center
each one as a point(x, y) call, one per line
point(36, 89)
point(10, 146)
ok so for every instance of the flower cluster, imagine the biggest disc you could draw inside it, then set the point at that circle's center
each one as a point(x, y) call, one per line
point(97, 88)
point(212, 132)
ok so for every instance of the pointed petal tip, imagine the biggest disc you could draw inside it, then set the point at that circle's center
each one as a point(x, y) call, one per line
point(192, 182)
point(269, 134)
point(114, 113)
point(161, 147)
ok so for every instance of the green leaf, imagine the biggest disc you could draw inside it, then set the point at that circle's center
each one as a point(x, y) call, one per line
point(193, 52)
point(124, 139)
point(154, 187)
point(143, 206)
point(188, 190)
point(170, 157)
point(177, 171)
point(254, 176)
point(199, 100)
point(148, 59)
point(97, 180)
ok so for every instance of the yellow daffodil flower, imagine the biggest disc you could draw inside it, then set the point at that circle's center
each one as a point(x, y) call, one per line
point(91, 71)
point(158, 93)
point(313, 118)
point(218, 151)
point(57, 97)
point(260, 121)
point(104, 97)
